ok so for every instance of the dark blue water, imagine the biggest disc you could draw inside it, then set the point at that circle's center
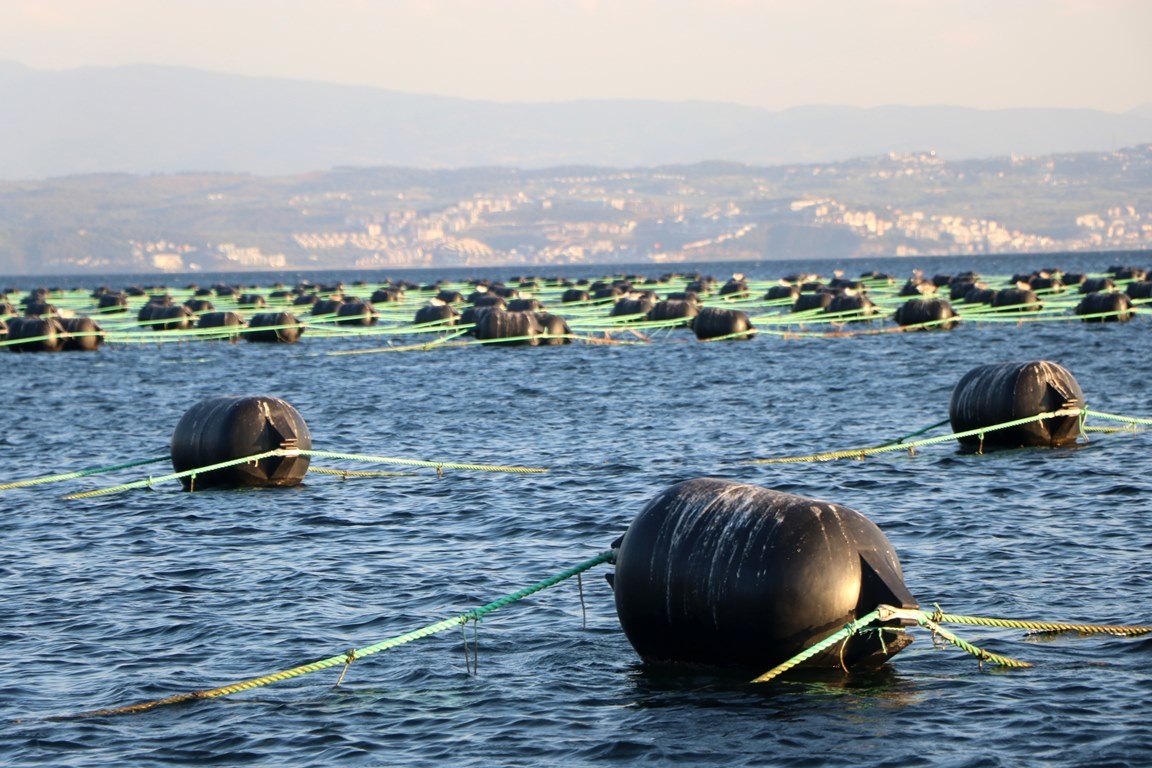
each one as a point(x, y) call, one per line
point(129, 597)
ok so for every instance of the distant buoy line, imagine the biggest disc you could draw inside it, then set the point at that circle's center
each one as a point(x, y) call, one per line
point(529, 311)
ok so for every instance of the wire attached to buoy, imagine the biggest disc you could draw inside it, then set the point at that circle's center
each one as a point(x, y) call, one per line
point(932, 622)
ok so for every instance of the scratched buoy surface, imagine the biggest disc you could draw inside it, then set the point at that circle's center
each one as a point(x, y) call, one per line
point(220, 429)
point(998, 393)
point(721, 573)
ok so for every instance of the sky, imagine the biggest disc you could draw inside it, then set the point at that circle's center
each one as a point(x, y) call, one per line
point(988, 54)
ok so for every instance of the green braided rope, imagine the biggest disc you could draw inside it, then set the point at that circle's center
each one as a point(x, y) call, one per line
point(178, 475)
point(1114, 417)
point(1003, 661)
point(357, 653)
point(359, 473)
point(862, 452)
point(78, 474)
point(1043, 626)
point(437, 465)
point(419, 463)
point(828, 642)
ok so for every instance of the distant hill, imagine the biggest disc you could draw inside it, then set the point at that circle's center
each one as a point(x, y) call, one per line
point(149, 119)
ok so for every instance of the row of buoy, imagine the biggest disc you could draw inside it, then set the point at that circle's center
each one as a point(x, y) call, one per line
point(839, 299)
point(710, 572)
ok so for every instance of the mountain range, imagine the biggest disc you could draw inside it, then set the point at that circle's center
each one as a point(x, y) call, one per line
point(144, 119)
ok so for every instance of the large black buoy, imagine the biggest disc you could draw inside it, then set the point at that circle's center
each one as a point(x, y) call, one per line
point(717, 322)
point(275, 328)
point(720, 573)
point(36, 334)
point(84, 334)
point(224, 428)
point(1001, 392)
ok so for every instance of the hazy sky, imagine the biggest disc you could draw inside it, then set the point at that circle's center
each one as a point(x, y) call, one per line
point(771, 53)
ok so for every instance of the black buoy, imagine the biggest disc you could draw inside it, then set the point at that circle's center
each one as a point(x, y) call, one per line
point(223, 428)
point(720, 573)
point(919, 312)
point(83, 334)
point(1001, 392)
point(274, 328)
point(36, 334)
point(436, 312)
point(1105, 306)
point(508, 328)
point(717, 322)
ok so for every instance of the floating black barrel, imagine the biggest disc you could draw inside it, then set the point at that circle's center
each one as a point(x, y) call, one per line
point(958, 289)
point(918, 287)
point(36, 334)
point(436, 312)
point(385, 295)
point(165, 318)
point(851, 307)
point(274, 327)
point(489, 300)
point(228, 323)
point(778, 292)
point(1139, 289)
point(199, 305)
point(110, 303)
point(674, 309)
point(717, 322)
point(980, 295)
point(1128, 273)
point(1016, 300)
point(450, 297)
point(224, 428)
point(1118, 307)
point(809, 301)
point(1046, 283)
point(356, 313)
point(720, 573)
point(1002, 392)
point(83, 334)
point(251, 300)
point(525, 305)
point(327, 307)
point(1095, 284)
point(508, 328)
point(555, 330)
point(626, 306)
point(920, 311)
point(734, 288)
point(573, 295)
point(305, 300)
point(39, 309)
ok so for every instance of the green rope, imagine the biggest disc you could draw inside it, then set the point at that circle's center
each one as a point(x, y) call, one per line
point(862, 452)
point(177, 475)
point(78, 474)
point(348, 657)
point(828, 642)
point(1044, 626)
point(437, 465)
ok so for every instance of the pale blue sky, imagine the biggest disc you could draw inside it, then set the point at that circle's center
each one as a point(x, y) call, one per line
point(771, 53)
